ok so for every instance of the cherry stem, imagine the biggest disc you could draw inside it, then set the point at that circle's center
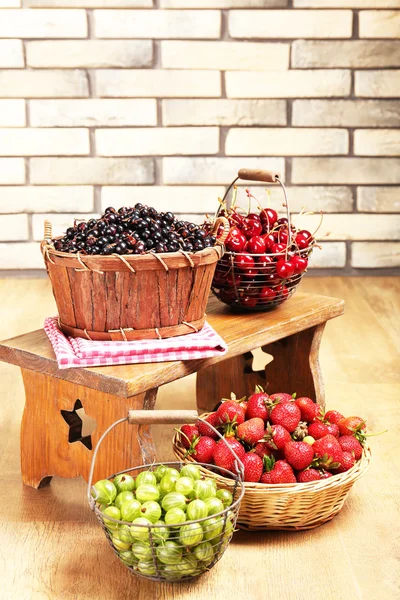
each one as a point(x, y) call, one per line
point(234, 197)
point(320, 223)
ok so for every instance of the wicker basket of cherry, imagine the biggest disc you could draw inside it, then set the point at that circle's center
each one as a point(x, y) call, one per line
point(266, 256)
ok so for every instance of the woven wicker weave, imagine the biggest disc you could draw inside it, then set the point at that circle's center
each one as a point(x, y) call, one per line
point(290, 506)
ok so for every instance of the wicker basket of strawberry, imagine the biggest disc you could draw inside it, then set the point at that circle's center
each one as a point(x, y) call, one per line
point(266, 256)
point(299, 461)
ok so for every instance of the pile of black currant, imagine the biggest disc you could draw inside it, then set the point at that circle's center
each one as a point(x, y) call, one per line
point(136, 230)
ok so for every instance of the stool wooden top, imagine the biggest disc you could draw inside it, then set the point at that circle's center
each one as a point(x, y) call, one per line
point(241, 331)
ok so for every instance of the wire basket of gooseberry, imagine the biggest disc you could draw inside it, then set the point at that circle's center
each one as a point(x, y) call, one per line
point(167, 521)
point(266, 256)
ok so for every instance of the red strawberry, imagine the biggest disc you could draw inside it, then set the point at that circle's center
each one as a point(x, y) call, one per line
point(328, 450)
point(251, 431)
point(276, 436)
point(253, 467)
point(325, 474)
point(257, 406)
point(308, 475)
point(230, 411)
point(262, 449)
point(286, 414)
point(348, 443)
point(333, 429)
point(348, 461)
point(190, 432)
point(319, 412)
point(223, 457)
point(213, 419)
point(317, 430)
point(299, 455)
point(282, 473)
point(266, 477)
point(281, 397)
point(203, 449)
point(333, 416)
point(307, 408)
point(351, 426)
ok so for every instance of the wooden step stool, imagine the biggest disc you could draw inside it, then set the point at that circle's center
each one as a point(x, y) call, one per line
point(66, 411)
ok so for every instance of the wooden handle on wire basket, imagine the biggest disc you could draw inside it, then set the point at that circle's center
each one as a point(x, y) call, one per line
point(157, 417)
point(259, 175)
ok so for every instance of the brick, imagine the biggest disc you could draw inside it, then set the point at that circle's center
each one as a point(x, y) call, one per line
point(36, 198)
point(13, 228)
point(290, 24)
point(90, 3)
point(156, 141)
point(12, 113)
point(353, 226)
point(288, 84)
point(92, 113)
point(91, 171)
point(345, 3)
point(21, 256)
point(379, 24)
point(43, 23)
point(286, 142)
point(375, 255)
point(43, 142)
point(377, 142)
point(358, 54)
point(222, 3)
point(158, 83)
point(213, 170)
point(380, 84)
point(346, 113)
point(310, 198)
point(178, 199)
point(12, 170)
point(11, 54)
point(90, 53)
point(43, 84)
point(346, 170)
point(331, 255)
point(59, 222)
point(224, 112)
point(224, 55)
point(378, 199)
point(157, 24)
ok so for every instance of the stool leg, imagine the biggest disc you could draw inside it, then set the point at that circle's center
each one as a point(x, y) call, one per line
point(294, 368)
point(62, 423)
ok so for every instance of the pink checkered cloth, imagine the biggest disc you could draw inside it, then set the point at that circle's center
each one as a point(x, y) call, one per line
point(79, 352)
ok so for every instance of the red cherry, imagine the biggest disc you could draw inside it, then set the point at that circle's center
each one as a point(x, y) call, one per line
point(303, 239)
point(300, 263)
point(244, 262)
point(231, 280)
point(236, 241)
point(264, 264)
point(227, 296)
point(282, 221)
point(269, 217)
point(235, 218)
point(269, 240)
point(248, 301)
point(271, 279)
point(256, 245)
point(283, 236)
point(284, 268)
point(282, 292)
point(251, 227)
point(267, 294)
point(278, 249)
point(253, 216)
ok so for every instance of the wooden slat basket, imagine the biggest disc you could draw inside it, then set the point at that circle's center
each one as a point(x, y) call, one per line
point(289, 506)
point(132, 297)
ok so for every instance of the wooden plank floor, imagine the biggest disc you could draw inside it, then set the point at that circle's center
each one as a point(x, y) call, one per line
point(52, 547)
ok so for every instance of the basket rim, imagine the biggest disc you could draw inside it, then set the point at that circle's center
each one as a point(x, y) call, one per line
point(340, 479)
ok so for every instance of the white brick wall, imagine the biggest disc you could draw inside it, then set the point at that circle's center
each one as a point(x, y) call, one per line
point(112, 102)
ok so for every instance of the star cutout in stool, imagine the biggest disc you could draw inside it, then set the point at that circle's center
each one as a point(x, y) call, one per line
point(256, 361)
point(81, 426)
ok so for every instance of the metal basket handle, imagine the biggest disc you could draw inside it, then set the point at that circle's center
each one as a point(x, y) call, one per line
point(153, 417)
point(267, 177)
